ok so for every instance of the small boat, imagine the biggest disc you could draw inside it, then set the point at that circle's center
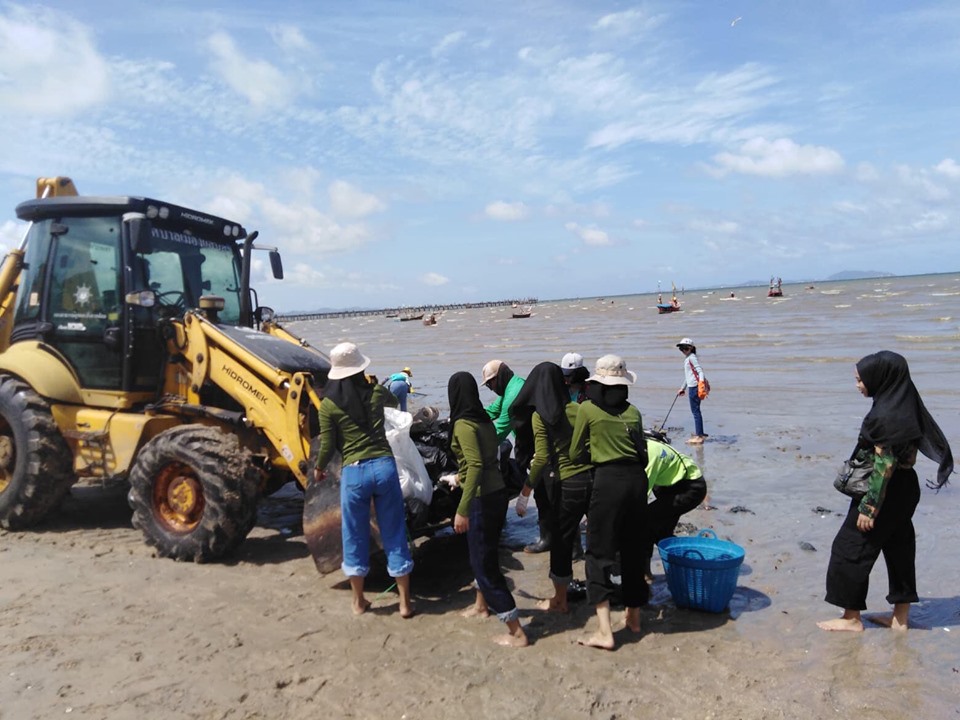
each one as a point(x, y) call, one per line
point(392, 315)
point(432, 320)
point(522, 312)
point(664, 308)
point(407, 318)
point(776, 288)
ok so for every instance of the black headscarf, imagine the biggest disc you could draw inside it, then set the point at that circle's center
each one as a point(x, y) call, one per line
point(545, 392)
point(612, 399)
point(503, 377)
point(352, 395)
point(464, 397)
point(898, 416)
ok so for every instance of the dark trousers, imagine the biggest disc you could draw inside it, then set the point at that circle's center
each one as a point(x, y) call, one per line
point(487, 515)
point(670, 502)
point(545, 496)
point(616, 523)
point(854, 553)
point(572, 503)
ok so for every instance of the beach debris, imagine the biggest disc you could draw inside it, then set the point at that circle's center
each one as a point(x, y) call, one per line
point(820, 510)
point(741, 509)
point(804, 545)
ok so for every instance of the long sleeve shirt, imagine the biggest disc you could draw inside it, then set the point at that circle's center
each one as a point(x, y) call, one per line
point(339, 432)
point(691, 368)
point(885, 462)
point(475, 446)
point(603, 437)
point(499, 409)
point(542, 456)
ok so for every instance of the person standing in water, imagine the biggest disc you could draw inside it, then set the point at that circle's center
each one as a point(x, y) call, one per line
point(692, 376)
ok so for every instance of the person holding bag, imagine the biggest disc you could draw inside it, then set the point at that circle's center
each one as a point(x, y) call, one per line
point(895, 428)
point(695, 385)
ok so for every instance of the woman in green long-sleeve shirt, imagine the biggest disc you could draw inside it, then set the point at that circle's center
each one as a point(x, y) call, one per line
point(483, 506)
point(609, 433)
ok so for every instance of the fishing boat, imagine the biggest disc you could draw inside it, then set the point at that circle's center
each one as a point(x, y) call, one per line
point(430, 320)
point(407, 318)
point(776, 288)
point(522, 312)
point(670, 307)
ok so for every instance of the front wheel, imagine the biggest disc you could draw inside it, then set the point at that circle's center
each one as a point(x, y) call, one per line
point(194, 492)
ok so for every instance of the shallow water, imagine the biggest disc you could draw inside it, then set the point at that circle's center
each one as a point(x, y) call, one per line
point(782, 414)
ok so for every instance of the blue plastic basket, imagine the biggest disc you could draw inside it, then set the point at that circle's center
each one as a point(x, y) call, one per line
point(701, 570)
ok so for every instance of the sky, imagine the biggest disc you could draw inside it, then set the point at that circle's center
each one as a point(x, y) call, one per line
point(434, 152)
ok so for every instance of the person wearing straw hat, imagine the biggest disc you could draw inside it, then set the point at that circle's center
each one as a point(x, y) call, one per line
point(608, 433)
point(400, 385)
point(352, 422)
point(693, 378)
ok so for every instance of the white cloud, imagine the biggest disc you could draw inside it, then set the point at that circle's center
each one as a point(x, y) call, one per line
point(257, 80)
point(349, 201)
point(948, 167)
point(434, 279)
point(289, 38)
point(450, 40)
point(850, 208)
point(49, 63)
point(779, 158)
point(722, 227)
point(589, 236)
point(11, 233)
point(628, 22)
point(500, 210)
point(930, 221)
point(304, 274)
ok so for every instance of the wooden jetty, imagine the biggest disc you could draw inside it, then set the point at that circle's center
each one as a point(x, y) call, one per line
point(403, 312)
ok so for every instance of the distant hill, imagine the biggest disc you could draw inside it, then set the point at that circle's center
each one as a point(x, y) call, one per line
point(859, 275)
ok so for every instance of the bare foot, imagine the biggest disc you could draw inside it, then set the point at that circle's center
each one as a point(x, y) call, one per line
point(695, 440)
point(553, 605)
point(841, 624)
point(514, 639)
point(888, 620)
point(598, 641)
point(359, 608)
point(474, 611)
point(632, 619)
point(407, 612)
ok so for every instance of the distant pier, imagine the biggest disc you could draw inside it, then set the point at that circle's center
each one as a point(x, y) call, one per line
point(406, 311)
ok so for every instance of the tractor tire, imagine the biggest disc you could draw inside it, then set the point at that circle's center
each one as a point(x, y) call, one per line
point(194, 492)
point(36, 465)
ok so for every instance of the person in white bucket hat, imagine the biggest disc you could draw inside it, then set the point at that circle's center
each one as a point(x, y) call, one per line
point(693, 380)
point(351, 422)
point(608, 433)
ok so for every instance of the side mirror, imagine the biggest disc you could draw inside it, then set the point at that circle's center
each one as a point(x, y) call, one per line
point(138, 230)
point(276, 265)
point(264, 314)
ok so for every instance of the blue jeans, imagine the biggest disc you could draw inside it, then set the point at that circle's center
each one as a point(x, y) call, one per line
point(695, 409)
point(487, 515)
point(374, 479)
point(400, 389)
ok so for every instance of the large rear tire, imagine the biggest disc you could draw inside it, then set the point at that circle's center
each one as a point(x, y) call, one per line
point(194, 492)
point(36, 466)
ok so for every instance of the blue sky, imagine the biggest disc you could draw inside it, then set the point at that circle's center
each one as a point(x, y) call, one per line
point(438, 152)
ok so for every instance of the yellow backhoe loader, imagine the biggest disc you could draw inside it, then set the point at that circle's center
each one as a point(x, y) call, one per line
point(133, 347)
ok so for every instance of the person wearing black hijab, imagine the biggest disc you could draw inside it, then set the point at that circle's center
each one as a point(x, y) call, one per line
point(483, 506)
point(896, 427)
point(544, 403)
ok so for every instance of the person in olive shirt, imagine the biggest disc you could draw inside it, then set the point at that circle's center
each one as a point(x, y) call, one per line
point(351, 422)
point(546, 398)
point(609, 433)
point(678, 487)
point(483, 505)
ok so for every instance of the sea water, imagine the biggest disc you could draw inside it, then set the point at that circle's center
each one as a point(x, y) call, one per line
point(783, 413)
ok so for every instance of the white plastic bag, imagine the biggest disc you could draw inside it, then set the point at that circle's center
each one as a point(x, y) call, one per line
point(414, 480)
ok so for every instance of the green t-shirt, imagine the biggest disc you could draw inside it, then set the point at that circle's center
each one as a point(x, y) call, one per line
point(339, 432)
point(499, 409)
point(542, 457)
point(475, 447)
point(603, 437)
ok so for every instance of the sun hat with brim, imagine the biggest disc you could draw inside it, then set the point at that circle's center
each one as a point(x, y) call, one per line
point(686, 341)
point(346, 360)
point(612, 370)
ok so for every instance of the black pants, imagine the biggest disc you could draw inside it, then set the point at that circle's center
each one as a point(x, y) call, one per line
point(854, 553)
point(616, 523)
point(572, 501)
point(670, 502)
point(545, 496)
